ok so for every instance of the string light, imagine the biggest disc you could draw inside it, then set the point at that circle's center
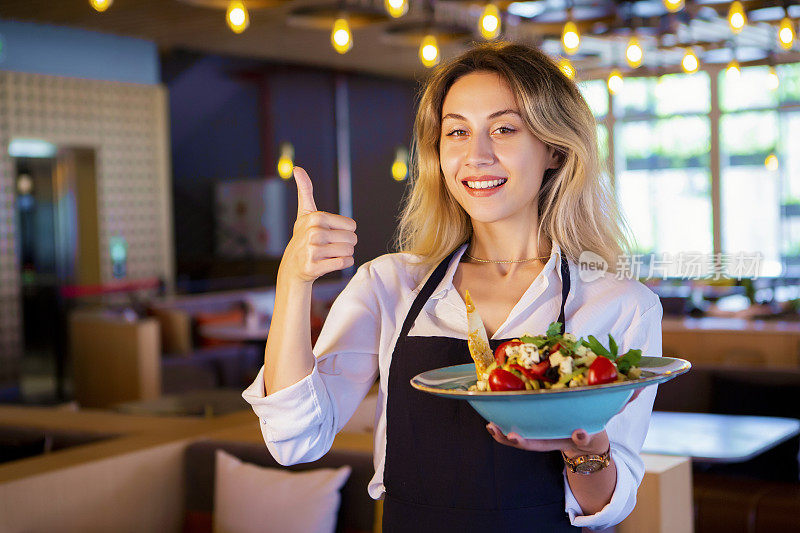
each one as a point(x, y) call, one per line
point(673, 5)
point(615, 81)
point(341, 38)
point(489, 25)
point(737, 19)
point(400, 164)
point(634, 53)
point(570, 38)
point(786, 33)
point(733, 71)
point(690, 63)
point(566, 67)
point(773, 81)
point(396, 8)
point(286, 160)
point(237, 17)
point(429, 51)
point(771, 162)
point(100, 5)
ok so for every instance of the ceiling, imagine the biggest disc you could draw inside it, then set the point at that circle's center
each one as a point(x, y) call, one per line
point(283, 33)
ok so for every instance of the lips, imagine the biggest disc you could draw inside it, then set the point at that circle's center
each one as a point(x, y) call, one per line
point(483, 185)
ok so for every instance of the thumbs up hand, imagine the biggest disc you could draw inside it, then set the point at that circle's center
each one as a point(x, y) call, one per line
point(321, 242)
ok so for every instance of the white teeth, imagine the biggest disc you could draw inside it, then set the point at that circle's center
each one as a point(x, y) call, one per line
point(486, 184)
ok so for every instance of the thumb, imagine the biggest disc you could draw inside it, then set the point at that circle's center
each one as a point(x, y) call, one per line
point(305, 192)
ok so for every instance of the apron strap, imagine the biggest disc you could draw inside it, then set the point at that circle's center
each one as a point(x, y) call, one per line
point(425, 293)
point(565, 282)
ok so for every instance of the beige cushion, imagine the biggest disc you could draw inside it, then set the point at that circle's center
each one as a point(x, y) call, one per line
point(250, 498)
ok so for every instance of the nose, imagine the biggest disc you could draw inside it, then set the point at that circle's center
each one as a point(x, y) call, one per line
point(480, 150)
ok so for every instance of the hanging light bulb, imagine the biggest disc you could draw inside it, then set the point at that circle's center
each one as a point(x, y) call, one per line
point(429, 51)
point(237, 17)
point(771, 162)
point(566, 67)
point(100, 5)
point(690, 63)
point(341, 38)
point(615, 81)
point(396, 8)
point(733, 71)
point(570, 38)
point(786, 33)
point(673, 5)
point(286, 160)
point(400, 164)
point(489, 25)
point(737, 19)
point(773, 82)
point(634, 53)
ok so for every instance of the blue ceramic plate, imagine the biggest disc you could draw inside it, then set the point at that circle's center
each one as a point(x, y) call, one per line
point(547, 413)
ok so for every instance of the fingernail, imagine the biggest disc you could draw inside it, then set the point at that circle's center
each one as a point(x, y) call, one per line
point(582, 435)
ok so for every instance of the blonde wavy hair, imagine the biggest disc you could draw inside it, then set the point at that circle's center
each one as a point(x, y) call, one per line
point(576, 207)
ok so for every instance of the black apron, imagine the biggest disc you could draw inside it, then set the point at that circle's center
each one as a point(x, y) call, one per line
point(444, 471)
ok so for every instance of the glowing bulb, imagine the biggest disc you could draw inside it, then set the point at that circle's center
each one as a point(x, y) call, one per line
point(400, 165)
point(615, 81)
point(237, 16)
point(634, 53)
point(570, 38)
point(567, 68)
point(673, 5)
point(429, 51)
point(341, 38)
point(786, 33)
point(100, 5)
point(490, 22)
point(733, 71)
point(690, 63)
point(286, 160)
point(771, 162)
point(736, 17)
point(773, 82)
point(396, 8)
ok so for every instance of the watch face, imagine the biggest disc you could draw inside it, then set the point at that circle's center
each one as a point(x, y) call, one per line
point(589, 467)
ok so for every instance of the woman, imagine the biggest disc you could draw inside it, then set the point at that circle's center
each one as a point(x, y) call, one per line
point(506, 195)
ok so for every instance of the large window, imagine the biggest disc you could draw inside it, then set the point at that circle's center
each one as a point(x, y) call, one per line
point(664, 163)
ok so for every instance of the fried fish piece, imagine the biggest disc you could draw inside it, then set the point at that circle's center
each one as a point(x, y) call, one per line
point(477, 340)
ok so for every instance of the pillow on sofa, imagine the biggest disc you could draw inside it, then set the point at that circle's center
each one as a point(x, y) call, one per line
point(252, 498)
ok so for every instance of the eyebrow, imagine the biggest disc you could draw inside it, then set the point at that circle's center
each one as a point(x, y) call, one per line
point(493, 115)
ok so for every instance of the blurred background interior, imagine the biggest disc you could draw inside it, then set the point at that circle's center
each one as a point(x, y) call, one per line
point(146, 197)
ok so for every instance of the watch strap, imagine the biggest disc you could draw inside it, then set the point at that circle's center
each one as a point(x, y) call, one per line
point(589, 463)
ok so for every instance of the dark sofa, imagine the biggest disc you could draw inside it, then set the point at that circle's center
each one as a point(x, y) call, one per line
point(356, 511)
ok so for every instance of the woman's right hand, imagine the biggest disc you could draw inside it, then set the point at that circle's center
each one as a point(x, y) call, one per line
point(321, 242)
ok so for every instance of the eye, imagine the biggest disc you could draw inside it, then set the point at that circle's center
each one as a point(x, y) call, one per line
point(456, 133)
point(505, 129)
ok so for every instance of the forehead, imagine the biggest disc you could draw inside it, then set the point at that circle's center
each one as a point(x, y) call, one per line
point(478, 94)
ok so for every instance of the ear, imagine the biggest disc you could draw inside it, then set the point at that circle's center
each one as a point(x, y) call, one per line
point(555, 157)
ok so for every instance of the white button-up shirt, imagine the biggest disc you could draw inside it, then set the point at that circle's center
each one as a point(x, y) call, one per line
point(357, 340)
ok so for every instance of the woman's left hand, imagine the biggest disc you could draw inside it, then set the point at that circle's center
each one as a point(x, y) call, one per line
point(580, 443)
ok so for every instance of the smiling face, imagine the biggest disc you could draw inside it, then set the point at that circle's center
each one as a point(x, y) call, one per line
point(492, 164)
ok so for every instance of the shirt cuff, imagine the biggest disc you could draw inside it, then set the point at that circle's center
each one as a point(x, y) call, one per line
point(288, 413)
point(622, 501)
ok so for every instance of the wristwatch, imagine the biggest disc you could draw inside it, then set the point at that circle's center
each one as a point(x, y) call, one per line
point(587, 464)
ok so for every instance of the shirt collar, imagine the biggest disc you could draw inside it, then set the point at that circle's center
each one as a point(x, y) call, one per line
point(554, 263)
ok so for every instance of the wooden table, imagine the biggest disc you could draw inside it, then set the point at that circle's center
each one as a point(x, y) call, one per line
point(712, 438)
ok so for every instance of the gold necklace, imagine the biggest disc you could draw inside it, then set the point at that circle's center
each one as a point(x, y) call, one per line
point(507, 260)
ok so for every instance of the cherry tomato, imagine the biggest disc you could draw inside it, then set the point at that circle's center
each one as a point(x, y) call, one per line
point(500, 353)
point(602, 370)
point(502, 380)
point(556, 347)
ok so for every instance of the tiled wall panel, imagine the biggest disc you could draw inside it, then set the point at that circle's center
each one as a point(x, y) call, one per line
point(126, 125)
